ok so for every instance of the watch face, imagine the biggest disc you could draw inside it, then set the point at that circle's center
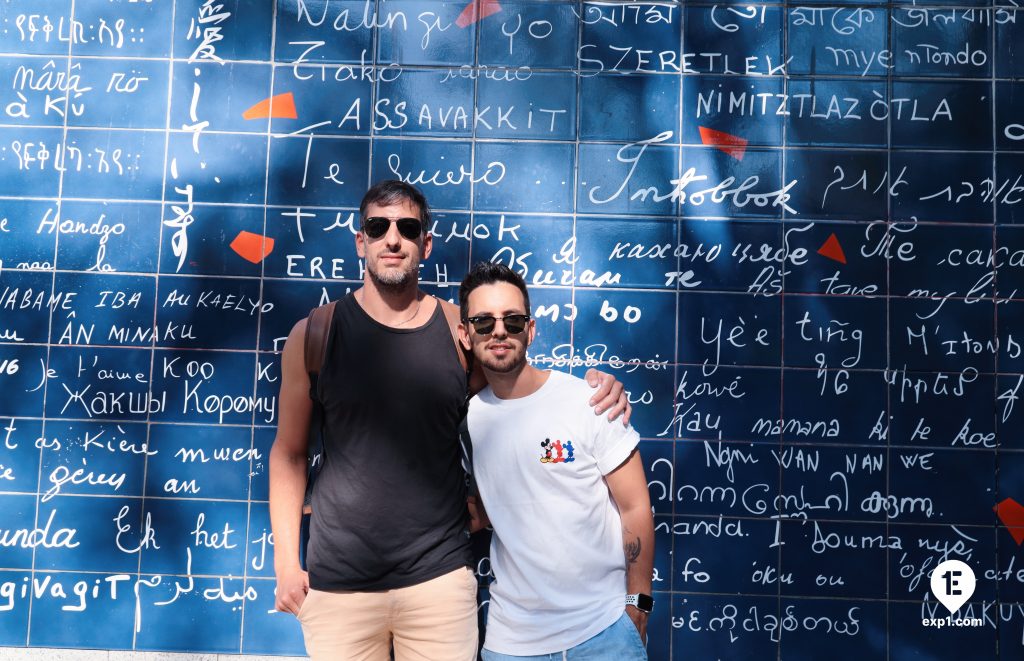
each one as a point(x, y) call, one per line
point(644, 602)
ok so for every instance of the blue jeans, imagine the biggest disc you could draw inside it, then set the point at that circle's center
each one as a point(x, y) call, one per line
point(619, 642)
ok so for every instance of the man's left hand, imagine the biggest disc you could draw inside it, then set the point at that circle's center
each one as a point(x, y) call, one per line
point(640, 620)
point(610, 396)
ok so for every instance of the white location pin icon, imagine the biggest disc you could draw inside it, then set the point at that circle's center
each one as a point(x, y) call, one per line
point(953, 584)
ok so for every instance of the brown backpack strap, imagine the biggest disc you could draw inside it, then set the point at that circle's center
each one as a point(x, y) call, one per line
point(451, 313)
point(475, 379)
point(318, 329)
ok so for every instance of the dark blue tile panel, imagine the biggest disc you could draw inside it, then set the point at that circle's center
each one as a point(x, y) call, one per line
point(937, 47)
point(201, 461)
point(443, 170)
point(30, 161)
point(728, 40)
point(909, 639)
point(630, 324)
point(100, 383)
point(265, 630)
point(26, 299)
point(113, 165)
point(850, 630)
point(839, 332)
point(88, 533)
point(23, 532)
point(748, 107)
point(220, 171)
point(196, 537)
point(836, 112)
point(199, 102)
point(204, 246)
point(125, 82)
point(37, 24)
point(741, 627)
point(14, 615)
point(82, 610)
point(953, 486)
point(954, 336)
point(835, 559)
point(108, 309)
point(181, 614)
point(331, 33)
point(535, 106)
point(633, 107)
point(541, 248)
point(851, 41)
point(29, 229)
point(105, 236)
point(827, 483)
point(943, 187)
point(433, 36)
point(834, 405)
point(631, 252)
point(424, 102)
point(232, 30)
point(633, 178)
point(731, 255)
point(932, 115)
point(627, 39)
point(841, 185)
point(531, 34)
point(856, 267)
point(729, 329)
point(212, 313)
point(27, 101)
point(1009, 125)
point(89, 458)
point(123, 29)
point(19, 455)
point(542, 179)
point(24, 372)
point(213, 387)
point(732, 479)
point(333, 102)
point(702, 563)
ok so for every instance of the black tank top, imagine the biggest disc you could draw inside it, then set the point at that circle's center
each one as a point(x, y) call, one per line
point(389, 504)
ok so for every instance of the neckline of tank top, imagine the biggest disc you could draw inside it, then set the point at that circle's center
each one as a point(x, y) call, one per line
point(392, 329)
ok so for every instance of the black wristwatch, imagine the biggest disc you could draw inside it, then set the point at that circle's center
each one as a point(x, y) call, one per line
point(642, 602)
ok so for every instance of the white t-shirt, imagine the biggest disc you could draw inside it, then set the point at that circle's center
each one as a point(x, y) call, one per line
point(556, 553)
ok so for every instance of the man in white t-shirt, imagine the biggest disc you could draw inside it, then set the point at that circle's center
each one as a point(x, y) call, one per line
point(565, 491)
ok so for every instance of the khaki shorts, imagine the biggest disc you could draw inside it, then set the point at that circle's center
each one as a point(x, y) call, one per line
point(432, 621)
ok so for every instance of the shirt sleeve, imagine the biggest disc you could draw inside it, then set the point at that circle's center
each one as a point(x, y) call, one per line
point(613, 443)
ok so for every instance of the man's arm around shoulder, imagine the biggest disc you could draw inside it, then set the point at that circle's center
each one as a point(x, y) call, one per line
point(628, 486)
point(288, 472)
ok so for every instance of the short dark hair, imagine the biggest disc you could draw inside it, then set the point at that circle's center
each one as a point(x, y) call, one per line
point(488, 273)
point(393, 191)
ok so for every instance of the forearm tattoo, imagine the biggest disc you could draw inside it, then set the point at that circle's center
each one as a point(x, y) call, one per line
point(632, 549)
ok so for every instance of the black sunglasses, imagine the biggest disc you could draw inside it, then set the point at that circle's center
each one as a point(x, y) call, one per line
point(377, 226)
point(514, 323)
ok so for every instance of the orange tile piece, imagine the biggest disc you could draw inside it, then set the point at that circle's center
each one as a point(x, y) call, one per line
point(1011, 513)
point(832, 249)
point(252, 247)
point(280, 105)
point(733, 145)
point(477, 10)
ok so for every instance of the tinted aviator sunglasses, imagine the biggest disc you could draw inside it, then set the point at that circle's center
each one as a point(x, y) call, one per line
point(514, 323)
point(377, 226)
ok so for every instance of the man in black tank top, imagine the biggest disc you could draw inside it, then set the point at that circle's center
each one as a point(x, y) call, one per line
point(388, 553)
